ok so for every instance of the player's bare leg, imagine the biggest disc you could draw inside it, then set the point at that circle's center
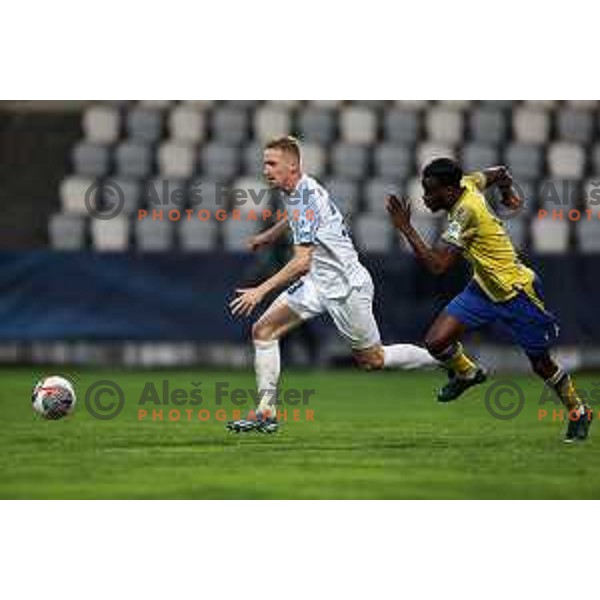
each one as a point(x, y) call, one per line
point(443, 343)
point(579, 415)
point(276, 322)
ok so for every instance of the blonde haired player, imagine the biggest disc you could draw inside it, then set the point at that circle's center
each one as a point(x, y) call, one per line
point(326, 276)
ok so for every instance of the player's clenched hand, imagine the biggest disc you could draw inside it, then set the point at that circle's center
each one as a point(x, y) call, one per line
point(246, 302)
point(399, 211)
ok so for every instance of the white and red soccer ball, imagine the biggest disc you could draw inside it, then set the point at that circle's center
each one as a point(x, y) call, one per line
point(53, 398)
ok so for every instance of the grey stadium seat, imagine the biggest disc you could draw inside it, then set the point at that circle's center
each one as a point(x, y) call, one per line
point(91, 159)
point(588, 240)
point(558, 194)
point(373, 233)
point(401, 126)
point(444, 124)
point(345, 194)
point(517, 229)
point(575, 125)
point(110, 235)
point(550, 237)
point(393, 162)
point(154, 236)
point(166, 194)
point(144, 124)
point(133, 159)
point(230, 125)
point(198, 236)
point(219, 161)
point(596, 159)
point(476, 156)
point(252, 159)
point(531, 124)
point(67, 231)
point(208, 194)
point(350, 161)
point(566, 160)
point(488, 125)
point(101, 124)
point(130, 189)
point(358, 124)
point(176, 159)
point(187, 124)
point(317, 125)
point(525, 161)
point(271, 121)
point(375, 192)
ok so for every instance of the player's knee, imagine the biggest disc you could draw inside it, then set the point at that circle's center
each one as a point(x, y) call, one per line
point(262, 332)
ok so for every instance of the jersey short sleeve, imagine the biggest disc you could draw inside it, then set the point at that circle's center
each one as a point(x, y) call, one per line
point(462, 226)
point(475, 180)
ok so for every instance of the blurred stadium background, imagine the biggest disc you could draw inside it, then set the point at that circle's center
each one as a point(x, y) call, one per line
point(81, 290)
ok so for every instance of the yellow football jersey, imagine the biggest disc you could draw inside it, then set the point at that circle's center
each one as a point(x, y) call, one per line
point(484, 242)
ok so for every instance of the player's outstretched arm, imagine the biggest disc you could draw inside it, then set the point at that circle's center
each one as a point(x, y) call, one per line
point(299, 265)
point(268, 237)
point(437, 259)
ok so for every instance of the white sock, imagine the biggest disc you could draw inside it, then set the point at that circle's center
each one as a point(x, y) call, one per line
point(407, 356)
point(266, 366)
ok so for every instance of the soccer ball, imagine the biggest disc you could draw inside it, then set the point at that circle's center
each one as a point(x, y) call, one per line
point(53, 398)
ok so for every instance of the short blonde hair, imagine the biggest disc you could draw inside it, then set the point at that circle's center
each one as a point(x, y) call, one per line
point(286, 143)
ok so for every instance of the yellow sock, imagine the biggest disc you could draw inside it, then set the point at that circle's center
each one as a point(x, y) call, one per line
point(562, 384)
point(460, 363)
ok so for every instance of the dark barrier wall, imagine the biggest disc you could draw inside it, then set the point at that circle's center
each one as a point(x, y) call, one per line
point(60, 296)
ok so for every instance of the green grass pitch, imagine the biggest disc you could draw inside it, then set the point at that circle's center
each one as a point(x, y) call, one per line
point(378, 435)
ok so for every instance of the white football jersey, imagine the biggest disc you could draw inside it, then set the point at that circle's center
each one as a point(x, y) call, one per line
point(315, 219)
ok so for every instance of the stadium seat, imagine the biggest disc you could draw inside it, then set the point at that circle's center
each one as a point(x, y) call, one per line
point(372, 233)
point(67, 231)
point(556, 194)
point(393, 162)
point(252, 159)
point(159, 104)
point(428, 226)
point(546, 104)
point(208, 194)
point(219, 161)
point(165, 194)
point(325, 103)
point(583, 104)
point(575, 125)
point(401, 126)
point(187, 124)
point(198, 236)
point(428, 151)
point(317, 125)
point(550, 237)
point(154, 236)
point(566, 160)
point(130, 189)
point(271, 121)
point(358, 125)
point(444, 124)
point(488, 125)
point(591, 193)
point(376, 191)
point(73, 191)
point(476, 156)
point(236, 234)
point(313, 159)
point(345, 194)
point(101, 124)
point(456, 104)
point(531, 125)
point(230, 125)
point(588, 240)
point(412, 104)
point(251, 193)
point(176, 159)
point(350, 161)
point(110, 235)
point(133, 159)
point(144, 124)
point(595, 158)
point(525, 161)
point(91, 159)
